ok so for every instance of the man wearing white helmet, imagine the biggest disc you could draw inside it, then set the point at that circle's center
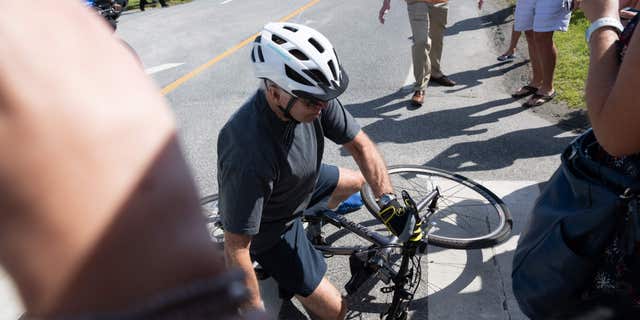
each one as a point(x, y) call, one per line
point(270, 169)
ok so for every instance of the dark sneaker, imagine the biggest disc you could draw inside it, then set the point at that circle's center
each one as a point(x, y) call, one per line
point(418, 98)
point(443, 81)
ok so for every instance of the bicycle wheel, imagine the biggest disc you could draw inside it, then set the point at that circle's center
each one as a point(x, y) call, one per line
point(467, 216)
point(209, 205)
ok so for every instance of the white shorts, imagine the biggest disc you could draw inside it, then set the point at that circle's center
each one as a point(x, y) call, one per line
point(542, 15)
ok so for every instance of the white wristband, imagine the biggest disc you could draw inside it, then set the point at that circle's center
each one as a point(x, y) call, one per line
point(601, 23)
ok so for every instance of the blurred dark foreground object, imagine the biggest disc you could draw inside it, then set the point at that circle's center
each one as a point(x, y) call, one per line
point(577, 258)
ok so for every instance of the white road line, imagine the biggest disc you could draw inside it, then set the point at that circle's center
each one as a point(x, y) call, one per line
point(162, 67)
point(225, 1)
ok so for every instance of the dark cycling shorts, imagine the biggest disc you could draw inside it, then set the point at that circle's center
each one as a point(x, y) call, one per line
point(293, 262)
point(326, 183)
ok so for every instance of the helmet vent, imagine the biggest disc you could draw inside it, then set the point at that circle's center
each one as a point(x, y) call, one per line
point(316, 44)
point(290, 28)
point(317, 75)
point(260, 56)
point(258, 39)
point(293, 75)
point(298, 54)
point(277, 39)
point(253, 58)
point(333, 70)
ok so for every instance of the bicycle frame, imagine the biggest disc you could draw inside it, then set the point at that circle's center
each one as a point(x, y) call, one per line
point(429, 202)
point(377, 263)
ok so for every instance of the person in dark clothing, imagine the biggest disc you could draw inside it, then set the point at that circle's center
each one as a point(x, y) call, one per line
point(143, 3)
point(271, 173)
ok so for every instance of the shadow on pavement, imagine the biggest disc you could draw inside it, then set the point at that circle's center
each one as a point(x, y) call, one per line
point(522, 144)
point(459, 121)
point(497, 18)
point(472, 78)
point(453, 302)
point(480, 281)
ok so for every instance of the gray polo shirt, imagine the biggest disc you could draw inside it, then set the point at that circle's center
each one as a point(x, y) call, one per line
point(267, 168)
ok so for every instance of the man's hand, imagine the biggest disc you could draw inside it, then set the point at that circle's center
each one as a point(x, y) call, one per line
point(386, 6)
point(400, 220)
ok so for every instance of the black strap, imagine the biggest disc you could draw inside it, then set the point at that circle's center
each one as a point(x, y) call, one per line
point(286, 110)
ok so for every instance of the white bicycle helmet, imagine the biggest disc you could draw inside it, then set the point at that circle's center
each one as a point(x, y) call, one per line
point(300, 60)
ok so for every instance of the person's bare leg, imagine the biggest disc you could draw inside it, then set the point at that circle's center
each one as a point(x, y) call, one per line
point(350, 182)
point(513, 43)
point(534, 60)
point(546, 53)
point(536, 68)
point(325, 302)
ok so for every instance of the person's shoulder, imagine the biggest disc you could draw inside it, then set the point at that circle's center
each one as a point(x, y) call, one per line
point(243, 140)
point(334, 105)
point(334, 110)
point(246, 120)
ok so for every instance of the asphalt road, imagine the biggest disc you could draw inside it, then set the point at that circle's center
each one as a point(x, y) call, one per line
point(474, 128)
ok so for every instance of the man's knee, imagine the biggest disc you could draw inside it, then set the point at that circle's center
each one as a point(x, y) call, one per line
point(325, 302)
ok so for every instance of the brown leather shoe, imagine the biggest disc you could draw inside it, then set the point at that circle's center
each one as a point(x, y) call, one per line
point(444, 81)
point(418, 98)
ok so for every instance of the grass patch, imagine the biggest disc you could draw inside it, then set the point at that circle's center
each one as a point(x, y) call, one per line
point(573, 61)
point(135, 4)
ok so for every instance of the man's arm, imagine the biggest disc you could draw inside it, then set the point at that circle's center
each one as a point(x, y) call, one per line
point(236, 252)
point(370, 162)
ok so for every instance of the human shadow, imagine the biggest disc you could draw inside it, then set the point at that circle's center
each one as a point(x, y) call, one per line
point(457, 284)
point(368, 300)
point(475, 281)
point(472, 78)
point(459, 121)
point(493, 272)
point(501, 151)
point(376, 107)
point(496, 18)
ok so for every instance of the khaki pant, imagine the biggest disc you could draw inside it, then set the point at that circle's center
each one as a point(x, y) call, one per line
point(428, 22)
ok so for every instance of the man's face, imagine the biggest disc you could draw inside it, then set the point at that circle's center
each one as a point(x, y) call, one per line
point(307, 110)
point(304, 109)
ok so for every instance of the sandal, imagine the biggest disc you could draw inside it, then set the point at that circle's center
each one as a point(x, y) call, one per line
point(524, 91)
point(539, 99)
point(506, 57)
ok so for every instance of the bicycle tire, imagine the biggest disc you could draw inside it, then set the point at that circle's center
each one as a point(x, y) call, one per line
point(451, 230)
point(209, 205)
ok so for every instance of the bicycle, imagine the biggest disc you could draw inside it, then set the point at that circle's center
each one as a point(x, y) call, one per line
point(453, 212)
